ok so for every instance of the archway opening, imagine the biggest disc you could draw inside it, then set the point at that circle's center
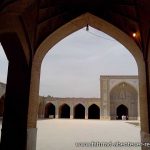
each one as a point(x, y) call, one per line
point(64, 111)
point(122, 110)
point(127, 94)
point(79, 112)
point(49, 111)
point(125, 40)
point(93, 112)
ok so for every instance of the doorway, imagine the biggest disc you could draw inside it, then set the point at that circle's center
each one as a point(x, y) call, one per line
point(122, 110)
point(93, 112)
point(50, 111)
point(79, 112)
point(64, 111)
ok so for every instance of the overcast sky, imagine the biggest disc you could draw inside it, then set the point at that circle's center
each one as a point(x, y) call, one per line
point(72, 68)
point(3, 65)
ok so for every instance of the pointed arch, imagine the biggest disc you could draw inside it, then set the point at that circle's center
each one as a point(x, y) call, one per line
point(122, 110)
point(123, 91)
point(93, 112)
point(64, 111)
point(49, 111)
point(79, 111)
point(125, 94)
point(125, 83)
point(105, 27)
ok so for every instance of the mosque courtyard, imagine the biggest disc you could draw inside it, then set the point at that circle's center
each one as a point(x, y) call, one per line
point(65, 134)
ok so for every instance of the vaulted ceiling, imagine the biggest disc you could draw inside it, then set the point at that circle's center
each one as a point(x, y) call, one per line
point(41, 17)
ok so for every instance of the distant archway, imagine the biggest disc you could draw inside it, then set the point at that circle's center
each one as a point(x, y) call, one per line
point(93, 112)
point(49, 111)
point(79, 112)
point(121, 110)
point(126, 94)
point(41, 110)
point(64, 111)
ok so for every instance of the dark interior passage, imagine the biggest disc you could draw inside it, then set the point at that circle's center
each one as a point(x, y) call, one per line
point(64, 111)
point(93, 112)
point(79, 112)
point(122, 110)
point(2, 105)
point(50, 111)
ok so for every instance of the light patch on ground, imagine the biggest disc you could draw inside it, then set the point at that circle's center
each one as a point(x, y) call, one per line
point(63, 134)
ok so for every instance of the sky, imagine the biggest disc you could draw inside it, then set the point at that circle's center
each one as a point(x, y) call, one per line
point(72, 68)
point(3, 65)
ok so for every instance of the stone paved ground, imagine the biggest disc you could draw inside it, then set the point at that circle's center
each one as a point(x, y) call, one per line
point(63, 134)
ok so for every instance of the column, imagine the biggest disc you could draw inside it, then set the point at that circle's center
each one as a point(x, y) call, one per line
point(43, 110)
point(86, 112)
point(71, 111)
point(105, 106)
point(148, 84)
point(57, 111)
point(14, 126)
point(145, 136)
point(33, 107)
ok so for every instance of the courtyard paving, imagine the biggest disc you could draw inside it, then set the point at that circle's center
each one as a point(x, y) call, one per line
point(65, 134)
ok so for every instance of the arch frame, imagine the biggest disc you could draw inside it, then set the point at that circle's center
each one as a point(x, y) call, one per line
point(79, 104)
point(133, 107)
point(129, 84)
point(66, 30)
point(64, 104)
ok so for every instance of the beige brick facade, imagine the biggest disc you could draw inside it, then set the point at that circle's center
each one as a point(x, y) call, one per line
point(117, 92)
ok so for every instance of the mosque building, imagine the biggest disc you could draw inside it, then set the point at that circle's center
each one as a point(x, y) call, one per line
point(119, 97)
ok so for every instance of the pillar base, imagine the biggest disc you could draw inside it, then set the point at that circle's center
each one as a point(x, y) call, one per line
point(86, 117)
point(138, 118)
point(31, 138)
point(133, 118)
point(71, 117)
point(145, 139)
point(105, 118)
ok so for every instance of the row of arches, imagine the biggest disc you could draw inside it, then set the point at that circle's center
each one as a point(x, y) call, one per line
point(79, 111)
